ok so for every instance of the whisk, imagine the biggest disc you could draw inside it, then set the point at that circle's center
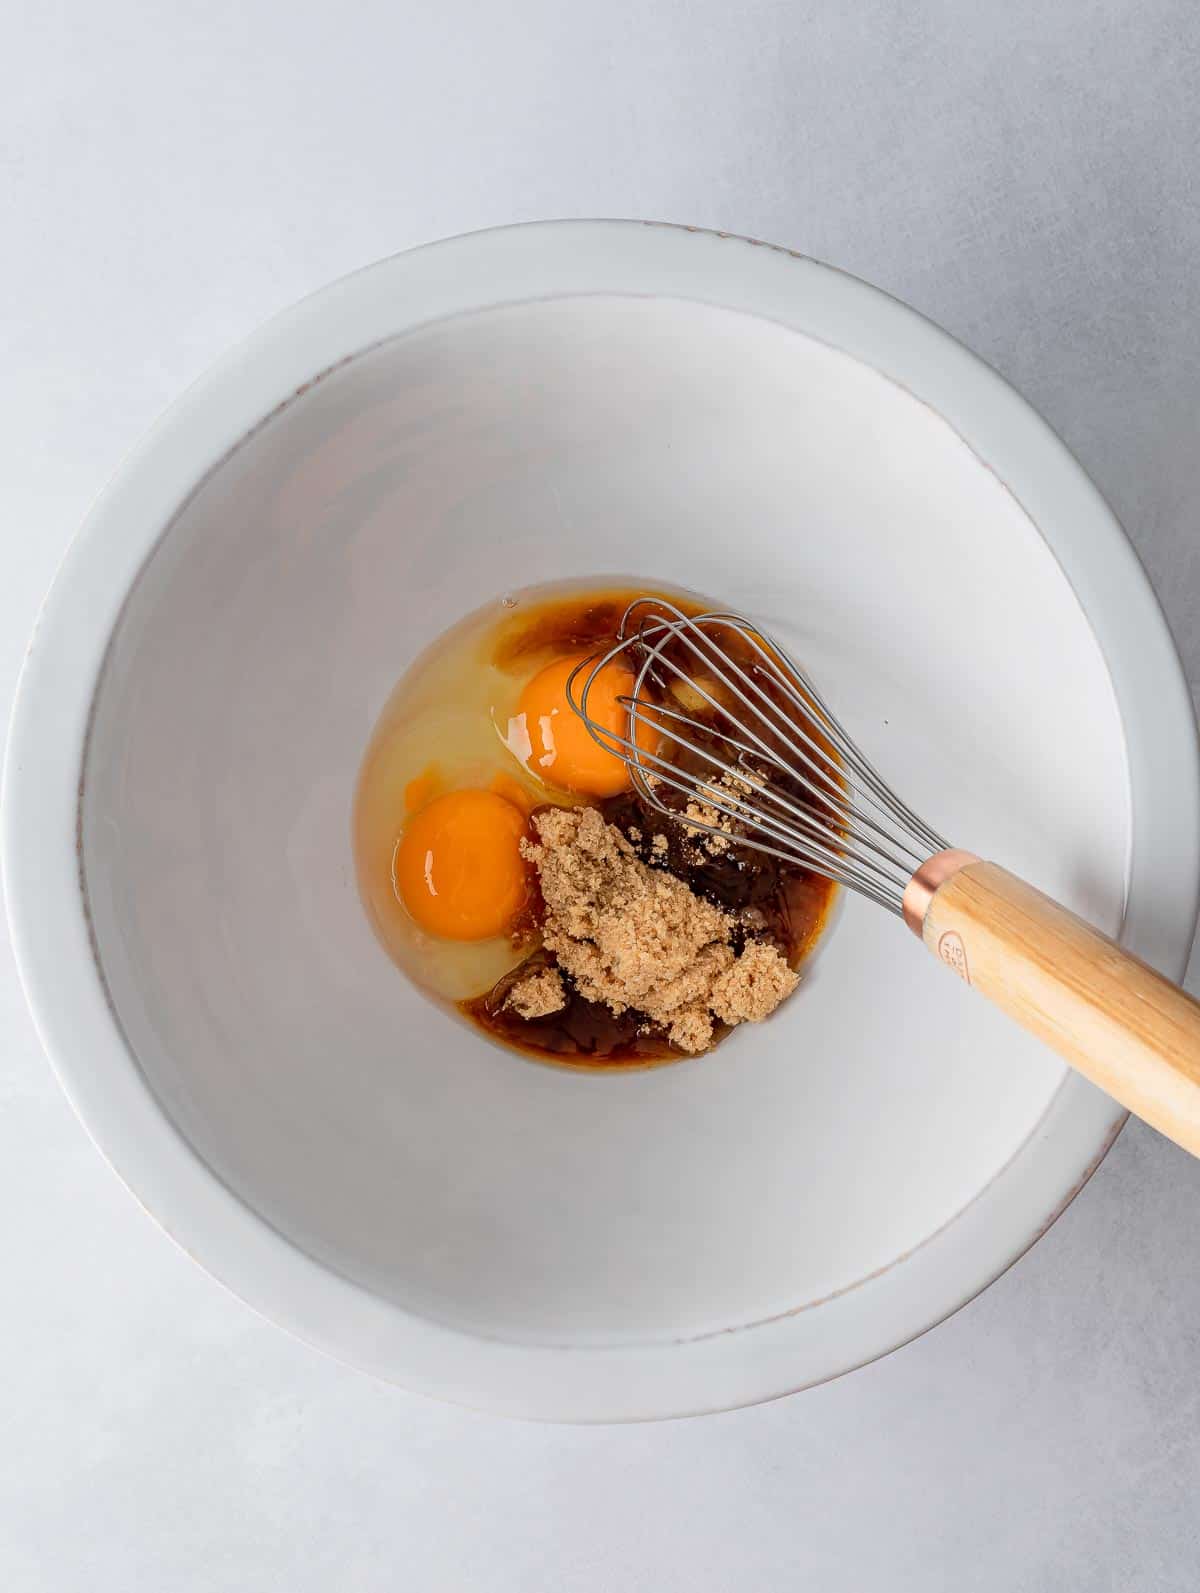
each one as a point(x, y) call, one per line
point(727, 731)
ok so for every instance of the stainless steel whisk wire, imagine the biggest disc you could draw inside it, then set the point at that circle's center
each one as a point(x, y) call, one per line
point(742, 717)
point(857, 832)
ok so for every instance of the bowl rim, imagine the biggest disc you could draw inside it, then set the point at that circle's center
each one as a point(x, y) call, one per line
point(40, 837)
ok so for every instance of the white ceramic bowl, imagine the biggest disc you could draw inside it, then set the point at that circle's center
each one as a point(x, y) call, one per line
point(517, 406)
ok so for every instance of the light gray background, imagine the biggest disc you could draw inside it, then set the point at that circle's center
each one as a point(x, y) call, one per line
point(1027, 174)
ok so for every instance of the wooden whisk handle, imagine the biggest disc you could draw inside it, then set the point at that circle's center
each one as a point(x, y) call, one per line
point(1125, 1027)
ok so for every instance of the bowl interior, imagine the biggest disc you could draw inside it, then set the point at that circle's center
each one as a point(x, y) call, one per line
point(655, 439)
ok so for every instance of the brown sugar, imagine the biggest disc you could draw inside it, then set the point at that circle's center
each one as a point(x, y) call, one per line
point(637, 938)
point(755, 985)
point(705, 819)
point(710, 826)
point(538, 994)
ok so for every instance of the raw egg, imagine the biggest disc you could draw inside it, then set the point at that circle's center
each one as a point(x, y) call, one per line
point(458, 866)
point(449, 730)
point(552, 740)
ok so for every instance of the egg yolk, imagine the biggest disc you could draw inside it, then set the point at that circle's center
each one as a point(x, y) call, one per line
point(458, 866)
point(558, 747)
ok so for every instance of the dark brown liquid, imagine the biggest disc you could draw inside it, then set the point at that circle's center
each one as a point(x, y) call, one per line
point(568, 625)
point(793, 902)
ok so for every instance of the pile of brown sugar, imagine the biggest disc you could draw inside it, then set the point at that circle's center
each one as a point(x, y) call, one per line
point(538, 994)
point(637, 938)
point(711, 825)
